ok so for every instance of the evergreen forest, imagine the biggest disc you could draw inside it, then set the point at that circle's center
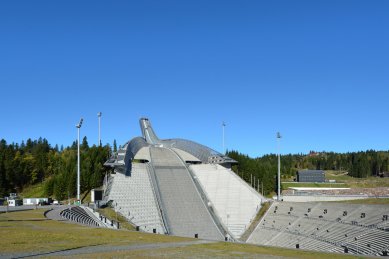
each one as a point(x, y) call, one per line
point(36, 161)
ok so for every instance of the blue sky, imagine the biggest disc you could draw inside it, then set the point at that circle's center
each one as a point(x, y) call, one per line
point(317, 71)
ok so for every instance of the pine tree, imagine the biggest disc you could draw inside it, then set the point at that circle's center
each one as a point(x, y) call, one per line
point(84, 144)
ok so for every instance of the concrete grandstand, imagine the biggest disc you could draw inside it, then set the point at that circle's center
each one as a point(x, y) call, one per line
point(325, 226)
point(179, 187)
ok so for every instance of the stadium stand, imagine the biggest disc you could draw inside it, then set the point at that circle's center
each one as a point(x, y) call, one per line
point(80, 215)
point(334, 227)
point(133, 197)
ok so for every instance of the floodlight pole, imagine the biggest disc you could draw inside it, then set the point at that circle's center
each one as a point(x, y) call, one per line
point(279, 168)
point(78, 126)
point(99, 116)
point(223, 126)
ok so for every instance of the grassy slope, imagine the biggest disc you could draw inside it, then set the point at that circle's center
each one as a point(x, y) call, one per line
point(369, 182)
point(37, 191)
point(111, 214)
point(343, 180)
point(86, 197)
point(26, 234)
point(34, 191)
point(383, 201)
point(315, 185)
point(256, 220)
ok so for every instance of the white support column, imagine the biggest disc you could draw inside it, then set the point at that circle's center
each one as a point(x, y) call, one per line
point(223, 126)
point(78, 126)
point(99, 116)
point(279, 168)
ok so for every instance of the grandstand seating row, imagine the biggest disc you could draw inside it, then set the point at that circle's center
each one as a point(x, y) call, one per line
point(134, 199)
point(359, 229)
point(79, 215)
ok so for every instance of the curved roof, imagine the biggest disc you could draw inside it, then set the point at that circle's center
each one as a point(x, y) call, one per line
point(203, 153)
point(135, 148)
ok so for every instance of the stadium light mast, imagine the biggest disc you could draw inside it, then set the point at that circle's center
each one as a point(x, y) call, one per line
point(223, 126)
point(279, 168)
point(99, 116)
point(78, 126)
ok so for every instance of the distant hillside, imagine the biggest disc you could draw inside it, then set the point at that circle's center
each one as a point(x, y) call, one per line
point(262, 170)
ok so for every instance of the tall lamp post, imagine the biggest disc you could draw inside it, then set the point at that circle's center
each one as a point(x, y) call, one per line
point(78, 126)
point(99, 116)
point(223, 126)
point(279, 168)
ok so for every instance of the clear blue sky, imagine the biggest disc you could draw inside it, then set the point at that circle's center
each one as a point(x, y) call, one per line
point(317, 71)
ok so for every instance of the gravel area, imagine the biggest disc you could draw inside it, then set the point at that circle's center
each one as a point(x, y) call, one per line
point(54, 213)
point(25, 207)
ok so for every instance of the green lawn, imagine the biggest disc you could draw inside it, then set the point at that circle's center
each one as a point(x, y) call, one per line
point(221, 250)
point(316, 185)
point(29, 231)
point(343, 180)
point(352, 182)
point(25, 233)
point(381, 201)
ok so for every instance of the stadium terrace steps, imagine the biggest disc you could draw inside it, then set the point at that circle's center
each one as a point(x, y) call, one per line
point(186, 213)
point(133, 197)
point(324, 227)
point(79, 215)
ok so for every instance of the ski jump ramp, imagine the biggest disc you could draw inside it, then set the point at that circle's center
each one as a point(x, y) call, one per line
point(179, 187)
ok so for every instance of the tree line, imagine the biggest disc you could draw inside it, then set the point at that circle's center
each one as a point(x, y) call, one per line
point(37, 161)
point(262, 171)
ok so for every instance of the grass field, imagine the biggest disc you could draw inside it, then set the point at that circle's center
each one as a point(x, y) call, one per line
point(352, 182)
point(30, 231)
point(315, 185)
point(222, 250)
point(343, 180)
point(380, 201)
